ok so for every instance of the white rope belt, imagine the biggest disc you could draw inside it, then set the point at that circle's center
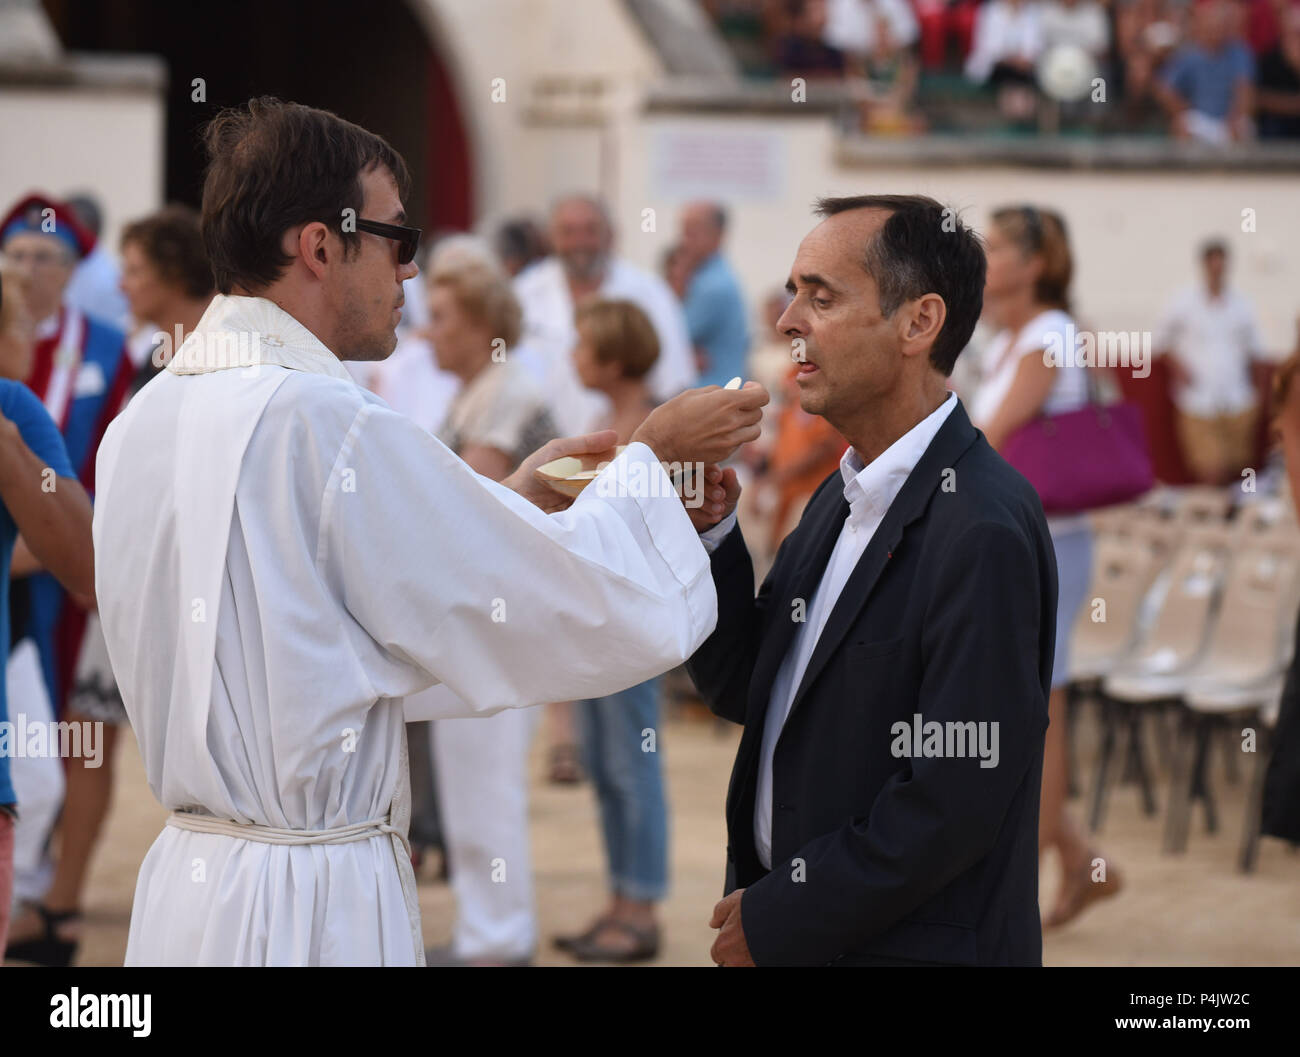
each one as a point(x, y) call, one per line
point(374, 827)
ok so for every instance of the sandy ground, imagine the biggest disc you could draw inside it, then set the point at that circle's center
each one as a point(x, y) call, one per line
point(1193, 909)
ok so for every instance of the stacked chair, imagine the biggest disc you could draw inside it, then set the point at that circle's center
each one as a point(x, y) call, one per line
point(1190, 618)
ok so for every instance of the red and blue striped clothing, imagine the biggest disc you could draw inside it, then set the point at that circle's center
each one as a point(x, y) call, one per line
point(82, 374)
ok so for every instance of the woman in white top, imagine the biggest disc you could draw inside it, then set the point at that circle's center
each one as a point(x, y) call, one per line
point(1029, 369)
point(480, 766)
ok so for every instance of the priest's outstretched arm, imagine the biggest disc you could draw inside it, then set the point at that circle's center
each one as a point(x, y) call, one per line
point(465, 582)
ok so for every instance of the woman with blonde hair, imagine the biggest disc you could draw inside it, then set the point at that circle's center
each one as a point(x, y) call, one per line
point(498, 417)
point(1028, 369)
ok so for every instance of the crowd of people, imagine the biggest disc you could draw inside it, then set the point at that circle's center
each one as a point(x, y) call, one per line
point(541, 330)
point(1217, 71)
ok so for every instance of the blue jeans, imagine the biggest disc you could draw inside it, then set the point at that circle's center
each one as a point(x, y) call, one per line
point(1073, 544)
point(616, 743)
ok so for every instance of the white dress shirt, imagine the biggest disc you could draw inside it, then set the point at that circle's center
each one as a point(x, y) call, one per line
point(548, 331)
point(854, 25)
point(1004, 32)
point(869, 490)
point(1215, 338)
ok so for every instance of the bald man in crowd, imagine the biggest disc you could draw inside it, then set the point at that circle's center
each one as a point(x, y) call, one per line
point(715, 308)
point(582, 265)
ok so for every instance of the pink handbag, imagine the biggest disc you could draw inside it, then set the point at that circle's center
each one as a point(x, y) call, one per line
point(1094, 457)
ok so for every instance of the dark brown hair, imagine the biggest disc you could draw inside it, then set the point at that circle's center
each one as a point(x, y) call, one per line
point(171, 240)
point(273, 166)
point(923, 248)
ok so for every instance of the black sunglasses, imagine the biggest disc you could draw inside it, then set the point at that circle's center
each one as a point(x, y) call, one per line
point(408, 239)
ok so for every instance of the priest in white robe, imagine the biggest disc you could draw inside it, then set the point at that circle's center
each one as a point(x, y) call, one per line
point(282, 560)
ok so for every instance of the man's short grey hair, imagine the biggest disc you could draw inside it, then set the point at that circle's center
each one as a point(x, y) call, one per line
point(594, 201)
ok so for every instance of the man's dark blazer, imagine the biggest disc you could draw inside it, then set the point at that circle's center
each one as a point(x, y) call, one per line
point(950, 613)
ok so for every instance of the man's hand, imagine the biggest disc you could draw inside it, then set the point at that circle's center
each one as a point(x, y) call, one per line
point(704, 425)
point(721, 492)
point(729, 948)
point(545, 499)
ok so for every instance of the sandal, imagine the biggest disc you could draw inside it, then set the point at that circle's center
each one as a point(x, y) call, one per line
point(646, 946)
point(49, 949)
point(570, 942)
point(565, 769)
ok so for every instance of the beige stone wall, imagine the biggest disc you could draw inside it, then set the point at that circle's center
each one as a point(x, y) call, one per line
point(64, 139)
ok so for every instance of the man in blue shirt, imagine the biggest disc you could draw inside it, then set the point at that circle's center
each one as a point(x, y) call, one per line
point(41, 499)
point(1207, 86)
point(715, 309)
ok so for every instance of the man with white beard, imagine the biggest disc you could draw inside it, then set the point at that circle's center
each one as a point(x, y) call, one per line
point(583, 266)
point(283, 560)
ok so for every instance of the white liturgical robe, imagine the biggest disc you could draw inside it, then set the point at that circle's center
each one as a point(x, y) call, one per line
point(282, 559)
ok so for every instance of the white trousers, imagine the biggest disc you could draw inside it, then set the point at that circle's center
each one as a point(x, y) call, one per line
point(38, 780)
point(481, 767)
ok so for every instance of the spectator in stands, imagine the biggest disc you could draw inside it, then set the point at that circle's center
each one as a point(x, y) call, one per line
point(1209, 336)
point(1207, 87)
point(1262, 22)
point(947, 26)
point(519, 243)
point(878, 39)
point(1008, 42)
point(799, 48)
point(715, 308)
point(1278, 83)
point(1077, 22)
point(1146, 33)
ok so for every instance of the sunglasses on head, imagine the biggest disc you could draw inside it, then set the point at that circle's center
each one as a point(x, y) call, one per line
point(408, 239)
point(1034, 225)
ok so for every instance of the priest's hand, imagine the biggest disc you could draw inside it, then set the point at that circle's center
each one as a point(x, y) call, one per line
point(730, 948)
point(546, 499)
point(721, 492)
point(704, 425)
